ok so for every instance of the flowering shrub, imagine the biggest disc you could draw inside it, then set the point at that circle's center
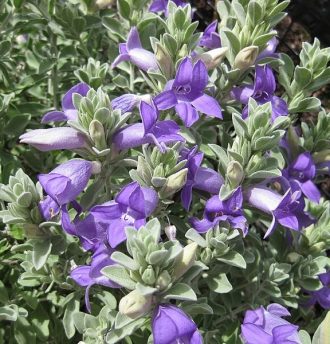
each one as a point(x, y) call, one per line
point(173, 195)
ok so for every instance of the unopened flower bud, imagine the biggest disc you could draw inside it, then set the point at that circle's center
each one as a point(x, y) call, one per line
point(96, 132)
point(100, 4)
point(163, 280)
point(235, 173)
point(170, 231)
point(174, 183)
point(206, 255)
point(149, 276)
point(246, 57)
point(213, 57)
point(164, 61)
point(96, 167)
point(322, 156)
point(185, 260)
point(135, 304)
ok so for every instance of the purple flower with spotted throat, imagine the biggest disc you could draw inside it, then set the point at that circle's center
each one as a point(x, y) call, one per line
point(149, 131)
point(302, 171)
point(186, 93)
point(266, 326)
point(200, 178)
point(107, 222)
point(217, 210)
point(172, 325)
point(132, 51)
point(69, 112)
point(262, 91)
point(89, 275)
point(210, 38)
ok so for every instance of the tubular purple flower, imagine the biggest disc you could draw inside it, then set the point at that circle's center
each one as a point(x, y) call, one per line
point(54, 138)
point(201, 178)
point(211, 38)
point(89, 275)
point(171, 325)
point(68, 180)
point(262, 91)
point(302, 171)
point(69, 111)
point(149, 131)
point(132, 51)
point(107, 221)
point(287, 209)
point(48, 208)
point(127, 102)
point(270, 49)
point(321, 296)
point(216, 211)
point(266, 326)
point(186, 93)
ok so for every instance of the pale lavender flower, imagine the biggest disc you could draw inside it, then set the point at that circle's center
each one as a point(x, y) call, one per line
point(216, 211)
point(186, 93)
point(89, 275)
point(127, 102)
point(54, 138)
point(149, 131)
point(171, 325)
point(132, 51)
point(266, 326)
point(286, 210)
point(69, 112)
point(210, 38)
point(161, 5)
point(321, 296)
point(262, 91)
point(68, 180)
point(270, 50)
point(107, 222)
point(302, 171)
point(201, 178)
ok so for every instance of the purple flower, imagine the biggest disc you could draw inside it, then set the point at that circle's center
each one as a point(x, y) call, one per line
point(48, 208)
point(186, 93)
point(88, 275)
point(68, 180)
point(130, 207)
point(171, 325)
point(127, 102)
point(54, 138)
point(201, 178)
point(287, 209)
point(211, 38)
point(266, 326)
point(262, 91)
point(322, 296)
point(69, 111)
point(216, 211)
point(149, 131)
point(302, 172)
point(132, 51)
point(270, 49)
point(161, 5)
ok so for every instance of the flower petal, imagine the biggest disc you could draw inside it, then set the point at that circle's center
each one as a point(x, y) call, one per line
point(208, 106)
point(187, 113)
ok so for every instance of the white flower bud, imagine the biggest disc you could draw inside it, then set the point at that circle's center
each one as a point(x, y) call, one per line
point(246, 57)
point(235, 173)
point(184, 261)
point(213, 57)
point(135, 304)
point(170, 231)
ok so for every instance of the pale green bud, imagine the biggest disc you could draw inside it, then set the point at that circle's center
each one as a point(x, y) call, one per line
point(212, 58)
point(206, 255)
point(246, 57)
point(163, 280)
point(164, 61)
point(100, 4)
point(184, 261)
point(321, 156)
point(135, 304)
point(96, 167)
point(96, 132)
point(174, 183)
point(149, 276)
point(235, 173)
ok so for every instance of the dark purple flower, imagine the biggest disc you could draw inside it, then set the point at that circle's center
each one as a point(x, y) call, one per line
point(68, 180)
point(270, 49)
point(69, 111)
point(266, 326)
point(287, 209)
point(127, 102)
point(48, 208)
point(171, 325)
point(130, 207)
point(89, 275)
point(262, 91)
point(216, 211)
point(149, 131)
point(132, 51)
point(161, 5)
point(321, 296)
point(54, 138)
point(211, 38)
point(302, 171)
point(186, 93)
point(201, 178)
